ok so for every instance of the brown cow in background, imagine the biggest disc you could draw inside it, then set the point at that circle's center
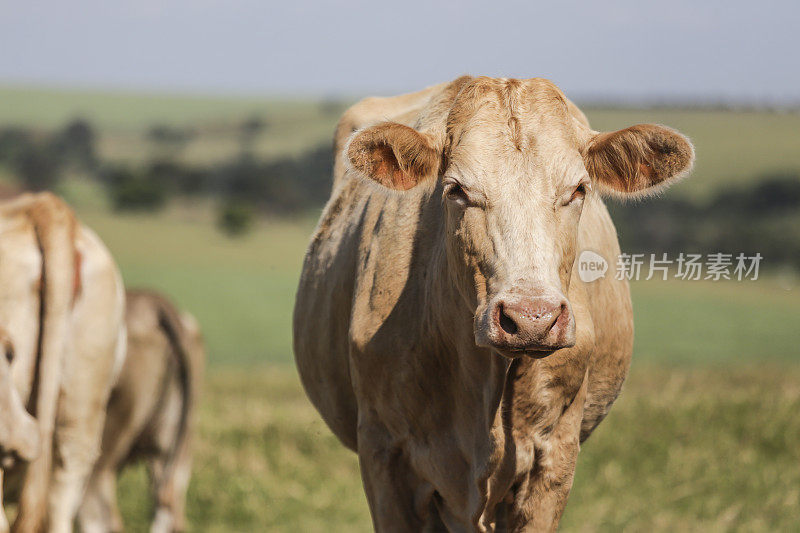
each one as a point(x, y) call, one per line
point(440, 327)
point(150, 414)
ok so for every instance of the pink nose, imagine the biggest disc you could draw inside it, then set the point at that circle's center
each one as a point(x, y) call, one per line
point(537, 324)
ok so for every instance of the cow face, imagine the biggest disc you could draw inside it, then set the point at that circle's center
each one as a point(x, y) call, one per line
point(19, 433)
point(516, 164)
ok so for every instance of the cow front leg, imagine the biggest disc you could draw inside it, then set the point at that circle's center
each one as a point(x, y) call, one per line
point(540, 498)
point(398, 500)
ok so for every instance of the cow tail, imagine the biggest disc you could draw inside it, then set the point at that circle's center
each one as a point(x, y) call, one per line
point(189, 367)
point(55, 227)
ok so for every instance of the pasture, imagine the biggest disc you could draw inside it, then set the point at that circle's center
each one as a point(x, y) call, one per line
point(703, 438)
point(684, 449)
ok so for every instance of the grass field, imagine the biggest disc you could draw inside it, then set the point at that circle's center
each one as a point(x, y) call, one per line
point(703, 438)
point(710, 448)
point(241, 290)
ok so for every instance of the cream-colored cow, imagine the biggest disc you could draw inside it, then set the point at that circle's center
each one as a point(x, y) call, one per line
point(150, 414)
point(61, 306)
point(440, 327)
point(19, 434)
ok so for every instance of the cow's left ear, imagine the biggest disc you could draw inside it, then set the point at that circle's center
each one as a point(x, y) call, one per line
point(638, 160)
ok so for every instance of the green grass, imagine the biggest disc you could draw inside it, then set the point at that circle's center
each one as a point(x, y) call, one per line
point(684, 449)
point(121, 110)
point(241, 290)
point(688, 449)
point(712, 322)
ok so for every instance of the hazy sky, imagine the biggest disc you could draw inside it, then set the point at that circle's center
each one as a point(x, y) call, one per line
point(736, 50)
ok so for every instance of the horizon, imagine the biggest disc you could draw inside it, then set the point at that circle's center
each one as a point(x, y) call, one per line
point(589, 100)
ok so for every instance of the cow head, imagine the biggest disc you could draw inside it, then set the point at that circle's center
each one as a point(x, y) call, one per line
point(19, 433)
point(515, 162)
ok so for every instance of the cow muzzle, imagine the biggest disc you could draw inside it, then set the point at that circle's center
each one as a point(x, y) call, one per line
point(533, 326)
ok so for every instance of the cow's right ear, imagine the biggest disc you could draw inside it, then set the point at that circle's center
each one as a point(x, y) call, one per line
point(394, 155)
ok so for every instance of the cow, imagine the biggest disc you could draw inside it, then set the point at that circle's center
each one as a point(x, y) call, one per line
point(19, 434)
point(440, 327)
point(61, 305)
point(150, 414)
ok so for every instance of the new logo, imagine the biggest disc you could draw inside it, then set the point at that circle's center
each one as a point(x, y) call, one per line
point(591, 266)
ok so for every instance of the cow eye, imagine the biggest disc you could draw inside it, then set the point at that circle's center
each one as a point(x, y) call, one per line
point(9, 354)
point(455, 192)
point(579, 193)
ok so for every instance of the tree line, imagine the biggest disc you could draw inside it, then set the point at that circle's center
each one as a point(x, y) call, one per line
point(243, 185)
point(760, 216)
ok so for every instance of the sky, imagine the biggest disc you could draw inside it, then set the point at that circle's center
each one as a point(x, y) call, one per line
point(740, 51)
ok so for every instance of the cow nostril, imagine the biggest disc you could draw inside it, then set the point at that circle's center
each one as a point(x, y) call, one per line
point(507, 323)
point(557, 313)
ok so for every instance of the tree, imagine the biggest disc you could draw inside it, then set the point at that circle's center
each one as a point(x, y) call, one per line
point(235, 217)
point(168, 141)
point(75, 144)
point(132, 191)
point(249, 132)
point(13, 143)
point(37, 168)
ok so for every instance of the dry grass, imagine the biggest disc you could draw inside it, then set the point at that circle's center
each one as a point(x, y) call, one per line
point(697, 449)
point(264, 461)
point(712, 449)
